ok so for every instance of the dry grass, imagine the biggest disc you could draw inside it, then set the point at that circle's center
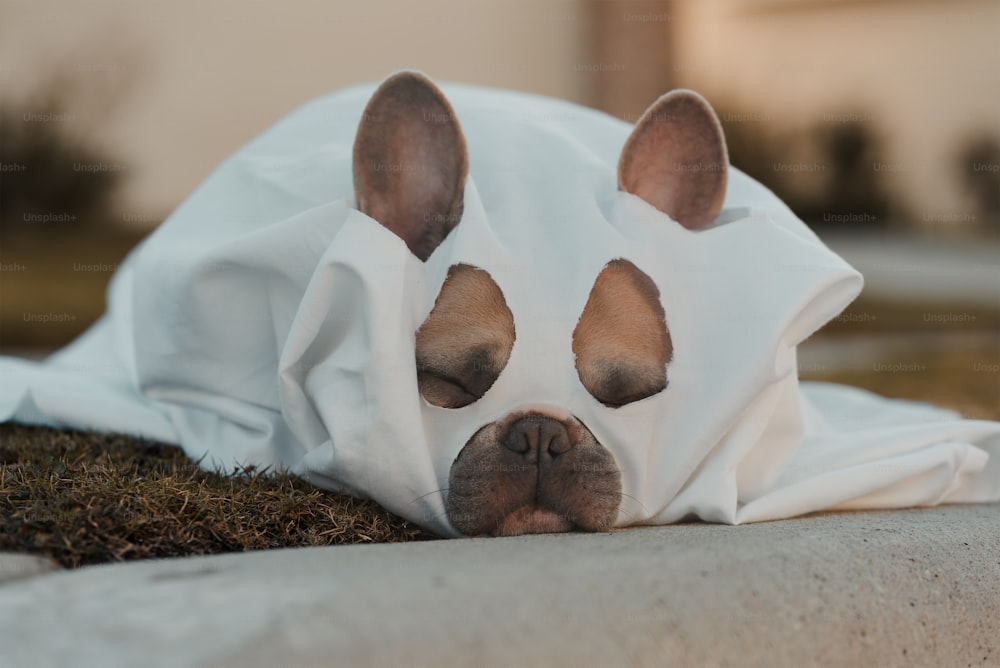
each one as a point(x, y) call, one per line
point(88, 498)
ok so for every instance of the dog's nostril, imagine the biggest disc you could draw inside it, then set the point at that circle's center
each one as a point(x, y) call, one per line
point(517, 440)
point(558, 439)
point(538, 434)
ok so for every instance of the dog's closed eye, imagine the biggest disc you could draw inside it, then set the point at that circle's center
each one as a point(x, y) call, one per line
point(459, 379)
point(617, 384)
point(442, 390)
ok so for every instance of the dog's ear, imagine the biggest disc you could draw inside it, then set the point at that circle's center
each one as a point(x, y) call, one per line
point(410, 162)
point(676, 159)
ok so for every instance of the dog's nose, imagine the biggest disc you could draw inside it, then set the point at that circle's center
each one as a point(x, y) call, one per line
point(538, 434)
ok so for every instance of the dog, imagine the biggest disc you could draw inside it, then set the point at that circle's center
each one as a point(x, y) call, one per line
point(532, 471)
point(523, 317)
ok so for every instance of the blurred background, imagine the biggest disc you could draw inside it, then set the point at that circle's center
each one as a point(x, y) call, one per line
point(878, 121)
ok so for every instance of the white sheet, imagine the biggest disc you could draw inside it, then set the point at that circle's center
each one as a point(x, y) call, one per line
point(268, 322)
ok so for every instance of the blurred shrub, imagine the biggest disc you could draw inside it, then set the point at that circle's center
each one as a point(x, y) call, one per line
point(60, 230)
point(58, 175)
point(978, 168)
point(823, 170)
point(50, 171)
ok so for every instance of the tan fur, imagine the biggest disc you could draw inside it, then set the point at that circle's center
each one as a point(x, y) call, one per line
point(676, 159)
point(621, 343)
point(470, 321)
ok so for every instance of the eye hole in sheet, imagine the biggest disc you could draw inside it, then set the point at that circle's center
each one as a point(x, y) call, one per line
point(465, 342)
point(621, 343)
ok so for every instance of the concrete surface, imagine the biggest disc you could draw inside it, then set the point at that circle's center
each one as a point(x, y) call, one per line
point(915, 587)
point(20, 566)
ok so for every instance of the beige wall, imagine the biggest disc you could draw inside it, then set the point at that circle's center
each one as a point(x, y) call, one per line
point(208, 75)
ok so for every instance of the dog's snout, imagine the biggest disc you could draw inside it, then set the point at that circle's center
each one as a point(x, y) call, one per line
point(533, 472)
point(537, 435)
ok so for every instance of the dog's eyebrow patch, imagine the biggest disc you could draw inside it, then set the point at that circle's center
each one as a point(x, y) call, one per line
point(466, 340)
point(621, 343)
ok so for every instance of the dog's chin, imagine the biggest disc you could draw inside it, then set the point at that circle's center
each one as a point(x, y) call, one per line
point(533, 519)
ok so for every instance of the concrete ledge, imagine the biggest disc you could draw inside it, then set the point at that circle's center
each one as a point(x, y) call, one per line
point(915, 587)
point(15, 566)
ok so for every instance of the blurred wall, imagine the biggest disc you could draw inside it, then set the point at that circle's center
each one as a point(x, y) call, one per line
point(197, 79)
